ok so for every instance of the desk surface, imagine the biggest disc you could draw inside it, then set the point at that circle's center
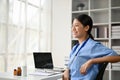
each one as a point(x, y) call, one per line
point(7, 76)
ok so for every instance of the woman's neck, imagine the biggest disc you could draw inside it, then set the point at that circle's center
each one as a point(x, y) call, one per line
point(83, 39)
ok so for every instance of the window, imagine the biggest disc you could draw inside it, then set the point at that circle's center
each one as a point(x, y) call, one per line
point(25, 27)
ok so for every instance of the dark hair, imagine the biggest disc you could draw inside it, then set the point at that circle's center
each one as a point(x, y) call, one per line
point(86, 20)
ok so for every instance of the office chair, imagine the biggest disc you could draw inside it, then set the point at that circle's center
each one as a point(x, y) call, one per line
point(102, 68)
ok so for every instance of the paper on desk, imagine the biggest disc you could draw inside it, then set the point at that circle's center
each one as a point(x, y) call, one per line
point(41, 73)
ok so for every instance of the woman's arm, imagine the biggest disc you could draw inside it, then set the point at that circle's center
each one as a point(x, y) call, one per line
point(111, 59)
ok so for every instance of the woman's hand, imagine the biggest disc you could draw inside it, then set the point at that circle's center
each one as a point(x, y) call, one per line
point(85, 66)
point(66, 75)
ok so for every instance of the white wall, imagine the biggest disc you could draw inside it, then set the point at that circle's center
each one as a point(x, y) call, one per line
point(61, 31)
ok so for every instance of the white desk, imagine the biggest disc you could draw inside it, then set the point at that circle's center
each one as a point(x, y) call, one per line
point(7, 76)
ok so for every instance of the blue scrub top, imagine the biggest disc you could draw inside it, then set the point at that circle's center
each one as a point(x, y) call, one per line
point(91, 49)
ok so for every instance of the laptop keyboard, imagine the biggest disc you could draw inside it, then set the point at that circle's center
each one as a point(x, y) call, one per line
point(48, 71)
point(44, 72)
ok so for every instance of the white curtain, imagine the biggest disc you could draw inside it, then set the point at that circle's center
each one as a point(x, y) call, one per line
point(25, 27)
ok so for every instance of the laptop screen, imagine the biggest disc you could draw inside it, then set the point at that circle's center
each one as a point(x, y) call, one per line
point(43, 60)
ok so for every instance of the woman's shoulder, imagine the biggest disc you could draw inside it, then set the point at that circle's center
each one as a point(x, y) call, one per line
point(92, 45)
point(92, 42)
point(96, 43)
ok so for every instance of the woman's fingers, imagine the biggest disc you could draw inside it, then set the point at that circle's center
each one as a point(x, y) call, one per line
point(83, 69)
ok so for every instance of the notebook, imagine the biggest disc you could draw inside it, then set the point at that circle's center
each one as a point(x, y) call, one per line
point(44, 64)
point(43, 60)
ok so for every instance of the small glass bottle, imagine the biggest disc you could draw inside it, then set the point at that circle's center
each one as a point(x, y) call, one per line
point(15, 72)
point(19, 71)
point(24, 70)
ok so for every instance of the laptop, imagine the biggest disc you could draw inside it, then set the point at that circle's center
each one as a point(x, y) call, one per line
point(43, 63)
point(43, 60)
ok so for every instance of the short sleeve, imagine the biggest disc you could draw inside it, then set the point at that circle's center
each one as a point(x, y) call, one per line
point(100, 50)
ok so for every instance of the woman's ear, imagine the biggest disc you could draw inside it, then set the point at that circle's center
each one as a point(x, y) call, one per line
point(86, 28)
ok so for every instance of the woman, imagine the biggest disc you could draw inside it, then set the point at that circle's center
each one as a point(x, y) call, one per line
point(86, 55)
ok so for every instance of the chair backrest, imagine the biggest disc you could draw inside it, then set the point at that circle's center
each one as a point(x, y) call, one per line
point(102, 68)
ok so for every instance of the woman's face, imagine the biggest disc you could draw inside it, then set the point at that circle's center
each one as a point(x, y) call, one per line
point(78, 30)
